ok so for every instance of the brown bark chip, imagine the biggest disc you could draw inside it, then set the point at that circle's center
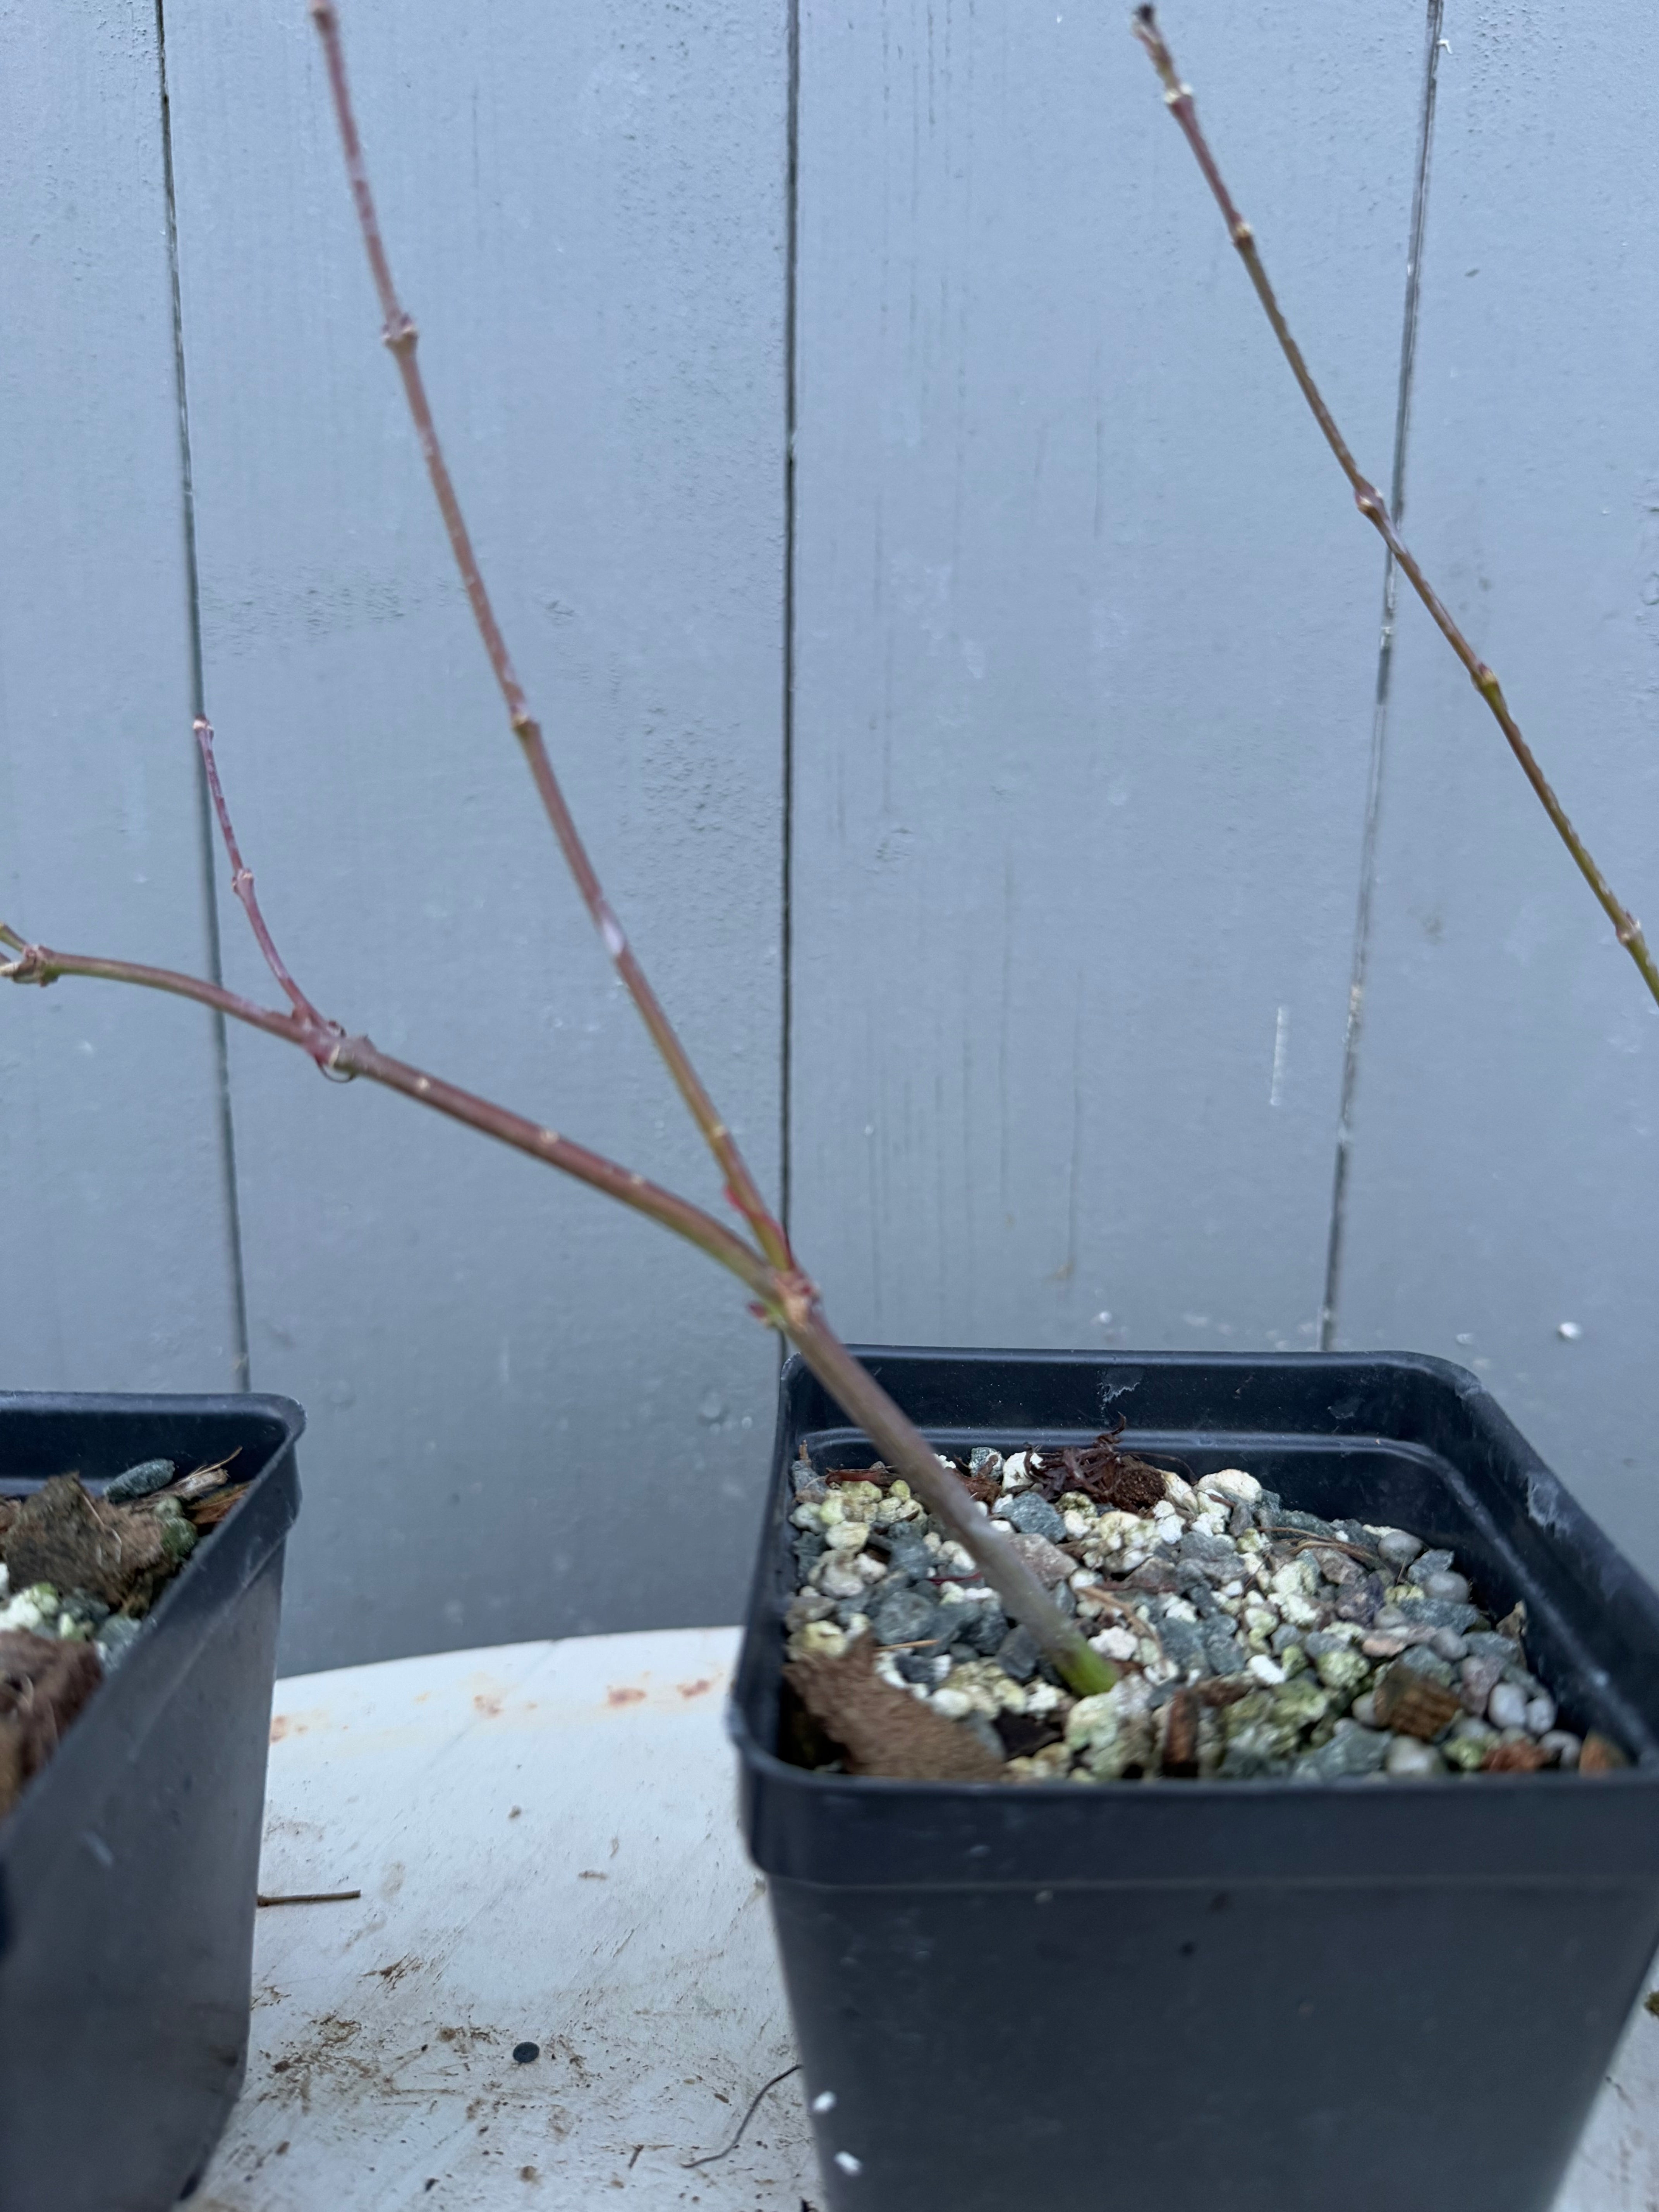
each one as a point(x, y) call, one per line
point(1181, 1737)
point(62, 1536)
point(882, 1730)
point(1513, 1757)
point(1601, 1755)
point(43, 1685)
point(1414, 1705)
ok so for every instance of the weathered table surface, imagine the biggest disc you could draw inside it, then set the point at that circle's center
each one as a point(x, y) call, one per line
point(545, 1838)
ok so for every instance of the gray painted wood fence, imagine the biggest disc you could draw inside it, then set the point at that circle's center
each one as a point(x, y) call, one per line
point(964, 657)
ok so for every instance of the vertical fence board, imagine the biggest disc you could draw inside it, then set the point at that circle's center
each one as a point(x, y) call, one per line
point(530, 1416)
point(1505, 1169)
point(1087, 634)
point(115, 1248)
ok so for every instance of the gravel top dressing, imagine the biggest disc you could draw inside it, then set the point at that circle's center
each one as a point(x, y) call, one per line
point(1252, 1641)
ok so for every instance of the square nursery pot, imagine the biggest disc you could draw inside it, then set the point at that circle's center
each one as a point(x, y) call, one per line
point(129, 1868)
point(1238, 1997)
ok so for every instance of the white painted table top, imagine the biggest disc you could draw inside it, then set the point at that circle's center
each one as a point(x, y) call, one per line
point(545, 1839)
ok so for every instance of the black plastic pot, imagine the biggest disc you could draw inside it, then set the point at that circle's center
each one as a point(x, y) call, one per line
point(1223, 1997)
point(128, 1872)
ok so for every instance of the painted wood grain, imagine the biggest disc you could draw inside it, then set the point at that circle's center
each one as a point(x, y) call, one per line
point(115, 1250)
point(1505, 1201)
point(1085, 650)
point(529, 1416)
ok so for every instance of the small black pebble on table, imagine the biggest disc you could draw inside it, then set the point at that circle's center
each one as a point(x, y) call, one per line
point(523, 2053)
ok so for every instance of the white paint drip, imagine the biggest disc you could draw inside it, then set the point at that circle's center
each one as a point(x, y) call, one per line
point(847, 2163)
point(1281, 1038)
point(824, 2101)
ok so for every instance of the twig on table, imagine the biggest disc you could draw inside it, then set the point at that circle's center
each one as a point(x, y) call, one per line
point(1178, 97)
point(313, 1897)
point(714, 2156)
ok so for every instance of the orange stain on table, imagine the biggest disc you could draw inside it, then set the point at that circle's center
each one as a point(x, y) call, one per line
point(626, 1695)
point(693, 1689)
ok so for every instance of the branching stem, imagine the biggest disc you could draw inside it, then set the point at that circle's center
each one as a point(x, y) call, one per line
point(782, 1297)
point(1178, 97)
point(782, 1294)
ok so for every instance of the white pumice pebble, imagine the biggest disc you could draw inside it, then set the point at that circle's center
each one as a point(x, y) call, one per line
point(1506, 1708)
point(1267, 1670)
point(1232, 1482)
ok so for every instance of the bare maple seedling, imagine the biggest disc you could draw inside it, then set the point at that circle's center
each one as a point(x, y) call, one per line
point(782, 1294)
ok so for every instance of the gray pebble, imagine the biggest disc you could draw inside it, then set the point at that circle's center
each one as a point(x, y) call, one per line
point(1284, 1637)
point(1448, 1586)
point(982, 1460)
point(906, 1616)
point(1359, 1600)
point(1423, 1660)
point(809, 1550)
point(1308, 1524)
point(1352, 1750)
point(1506, 1708)
point(1364, 1710)
point(117, 1637)
point(139, 1482)
point(1411, 1760)
point(987, 1629)
point(1540, 1716)
point(1431, 1564)
point(1032, 1516)
point(1225, 1654)
point(1487, 1643)
point(1216, 1556)
point(1398, 1548)
point(1478, 1677)
point(1441, 1613)
point(909, 1559)
point(1018, 1655)
point(1447, 1643)
point(1184, 1643)
point(1563, 1745)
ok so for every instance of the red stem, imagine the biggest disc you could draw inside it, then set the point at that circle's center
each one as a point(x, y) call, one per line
point(401, 335)
point(1178, 97)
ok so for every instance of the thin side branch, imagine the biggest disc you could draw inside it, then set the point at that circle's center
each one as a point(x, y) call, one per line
point(783, 1298)
point(242, 882)
point(1178, 97)
point(401, 337)
point(336, 1054)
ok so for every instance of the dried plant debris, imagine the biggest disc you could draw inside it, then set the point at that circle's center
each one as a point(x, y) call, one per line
point(1253, 1641)
point(78, 1573)
point(43, 1684)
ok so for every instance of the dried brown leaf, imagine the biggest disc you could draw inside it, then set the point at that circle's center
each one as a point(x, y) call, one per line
point(882, 1730)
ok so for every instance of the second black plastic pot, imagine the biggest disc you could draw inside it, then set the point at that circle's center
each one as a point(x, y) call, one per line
point(128, 1872)
point(1223, 1997)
